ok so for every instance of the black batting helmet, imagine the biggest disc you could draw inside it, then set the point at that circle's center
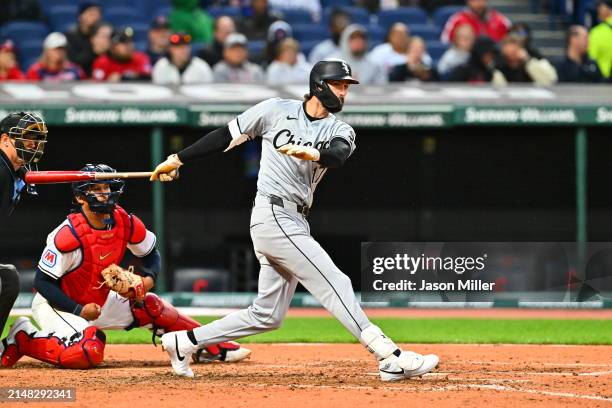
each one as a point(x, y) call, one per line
point(83, 189)
point(330, 69)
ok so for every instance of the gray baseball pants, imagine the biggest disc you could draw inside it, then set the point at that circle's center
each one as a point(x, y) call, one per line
point(288, 254)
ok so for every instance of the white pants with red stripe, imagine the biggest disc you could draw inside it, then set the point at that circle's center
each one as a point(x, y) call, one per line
point(115, 314)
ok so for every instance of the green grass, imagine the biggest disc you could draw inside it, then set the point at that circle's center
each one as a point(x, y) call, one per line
point(328, 330)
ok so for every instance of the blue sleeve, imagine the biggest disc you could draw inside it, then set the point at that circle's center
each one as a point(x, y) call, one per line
point(151, 264)
point(50, 289)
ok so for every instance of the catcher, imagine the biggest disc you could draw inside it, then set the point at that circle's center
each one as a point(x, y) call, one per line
point(82, 291)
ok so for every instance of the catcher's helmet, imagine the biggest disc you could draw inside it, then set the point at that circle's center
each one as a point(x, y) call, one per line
point(83, 189)
point(330, 69)
point(30, 134)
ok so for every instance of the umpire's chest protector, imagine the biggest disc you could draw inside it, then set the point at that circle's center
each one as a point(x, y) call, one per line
point(100, 248)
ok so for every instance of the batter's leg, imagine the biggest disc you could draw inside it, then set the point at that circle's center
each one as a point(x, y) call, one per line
point(9, 290)
point(311, 265)
point(275, 291)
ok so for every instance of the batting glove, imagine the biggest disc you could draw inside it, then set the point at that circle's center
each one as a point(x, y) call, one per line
point(300, 152)
point(168, 170)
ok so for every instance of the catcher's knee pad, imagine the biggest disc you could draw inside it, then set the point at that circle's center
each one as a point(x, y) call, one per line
point(162, 315)
point(86, 350)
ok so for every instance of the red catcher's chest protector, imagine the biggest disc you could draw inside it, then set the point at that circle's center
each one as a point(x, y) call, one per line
point(100, 249)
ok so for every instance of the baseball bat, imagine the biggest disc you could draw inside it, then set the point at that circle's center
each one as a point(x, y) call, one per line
point(61, 176)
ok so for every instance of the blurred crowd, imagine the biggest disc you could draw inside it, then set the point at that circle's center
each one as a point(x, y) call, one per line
point(189, 46)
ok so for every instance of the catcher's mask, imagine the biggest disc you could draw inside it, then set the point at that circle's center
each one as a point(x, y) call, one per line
point(95, 199)
point(29, 132)
point(329, 70)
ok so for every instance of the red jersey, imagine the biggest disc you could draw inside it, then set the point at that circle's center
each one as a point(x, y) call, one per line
point(494, 24)
point(69, 72)
point(139, 66)
point(13, 74)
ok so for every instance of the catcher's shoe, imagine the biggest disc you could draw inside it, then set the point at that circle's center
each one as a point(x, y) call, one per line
point(229, 352)
point(9, 348)
point(179, 348)
point(407, 365)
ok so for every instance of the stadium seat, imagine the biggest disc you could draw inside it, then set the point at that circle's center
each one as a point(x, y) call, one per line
point(62, 18)
point(435, 49)
point(154, 5)
point(124, 16)
point(376, 33)
point(21, 31)
point(49, 4)
point(295, 16)
point(337, 3)
point(161, 11)
point(233, 12)
point(196, 47)
point(406, 15)
point(441, 15)
point(426, 31)
point(256, 48)
point(28, 53)
point(310, 32)
point(307, 46)
point(141, 32)
point(135, 4)
point(358, 15)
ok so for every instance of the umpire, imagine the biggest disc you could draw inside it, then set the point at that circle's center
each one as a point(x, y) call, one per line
point(22, 142)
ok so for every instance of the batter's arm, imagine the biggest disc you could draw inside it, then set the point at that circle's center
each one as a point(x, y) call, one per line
point(334, 156)
point(50, 289)
point(213, 142)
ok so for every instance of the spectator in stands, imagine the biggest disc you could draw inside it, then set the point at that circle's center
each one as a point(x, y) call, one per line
point(79, 45)
point(100, 42)
point(255, 25)
point(9, 70)
point(122, 62)
point(600, 39)
point(577, 66)
point(354, 50)
point(213, 53)
point(484, 21)
point(414, 66)
point(235, 66)
point(480, 68)
point(159, 37)
point(338, 21)
point(53, 65)
point(179, 67)
point(459, 52)
point(311, 6)
point(188, 17)
point(522, 32)
point(278, 31)
point(287, 67)
point(393, 52)
point(518, 66)
point(11, 10)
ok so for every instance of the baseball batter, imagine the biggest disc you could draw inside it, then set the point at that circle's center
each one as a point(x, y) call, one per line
point(76, 300)
point(300, 141)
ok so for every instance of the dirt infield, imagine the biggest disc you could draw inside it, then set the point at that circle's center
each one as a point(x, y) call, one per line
point(337, 375)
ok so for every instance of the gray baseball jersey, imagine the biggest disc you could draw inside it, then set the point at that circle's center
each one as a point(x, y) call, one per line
point(283, 121)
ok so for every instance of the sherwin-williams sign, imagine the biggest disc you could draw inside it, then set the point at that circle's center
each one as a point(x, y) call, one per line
point(393, 106)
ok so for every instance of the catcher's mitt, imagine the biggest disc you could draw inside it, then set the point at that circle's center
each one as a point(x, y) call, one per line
point(124, 282)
